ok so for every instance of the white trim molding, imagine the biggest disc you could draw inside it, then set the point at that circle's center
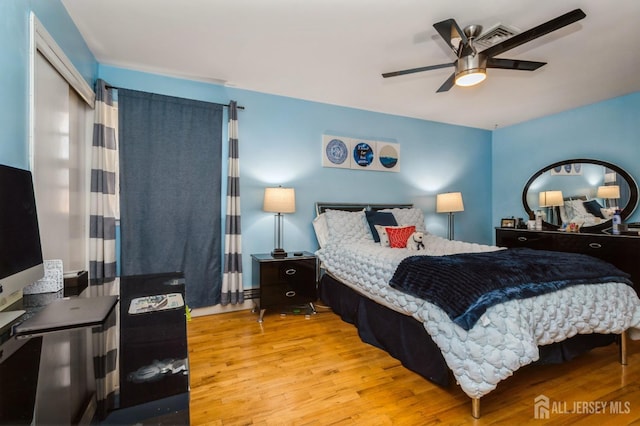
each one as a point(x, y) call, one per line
point(42, 41)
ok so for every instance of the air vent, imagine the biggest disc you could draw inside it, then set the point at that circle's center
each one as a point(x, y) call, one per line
point(251, 293)
point(495, 35)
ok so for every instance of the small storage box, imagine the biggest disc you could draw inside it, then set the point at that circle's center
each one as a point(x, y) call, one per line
point(52, 280)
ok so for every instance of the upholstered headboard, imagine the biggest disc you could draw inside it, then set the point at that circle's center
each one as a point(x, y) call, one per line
point(352, 207)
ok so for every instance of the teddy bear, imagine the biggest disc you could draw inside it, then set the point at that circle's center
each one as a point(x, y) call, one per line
point(414, 242)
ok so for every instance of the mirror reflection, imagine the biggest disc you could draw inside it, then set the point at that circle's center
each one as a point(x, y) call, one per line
point(581, 192)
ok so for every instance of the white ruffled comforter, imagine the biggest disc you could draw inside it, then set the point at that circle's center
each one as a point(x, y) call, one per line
point(507, 336)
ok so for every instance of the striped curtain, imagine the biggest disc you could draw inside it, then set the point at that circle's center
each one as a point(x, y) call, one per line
point(104, 207)
point(106, 346)
point(232, 291)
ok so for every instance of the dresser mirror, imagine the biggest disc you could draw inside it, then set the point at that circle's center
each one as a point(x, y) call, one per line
point(581, 191)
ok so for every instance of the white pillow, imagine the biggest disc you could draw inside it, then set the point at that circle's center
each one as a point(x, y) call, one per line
point(321, 229)
point(346, 226)
point(384, 237)
point(575, 209)
point(408, 217)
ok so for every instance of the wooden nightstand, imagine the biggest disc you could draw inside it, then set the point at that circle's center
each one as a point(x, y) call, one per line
point(284, 281)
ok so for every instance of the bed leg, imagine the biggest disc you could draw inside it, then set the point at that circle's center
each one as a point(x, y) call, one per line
point(623, 348)
point(475, 408)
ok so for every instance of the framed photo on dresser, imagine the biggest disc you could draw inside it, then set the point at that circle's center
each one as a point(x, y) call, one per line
point(508, 223)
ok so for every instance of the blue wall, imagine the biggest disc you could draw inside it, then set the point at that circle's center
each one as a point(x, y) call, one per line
point(605, 131)
point(14, 63)
point(280, 141)
point(281, 144)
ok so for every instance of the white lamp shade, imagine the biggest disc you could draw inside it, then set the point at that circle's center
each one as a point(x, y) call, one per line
point(279, 200)
point(551, 198)
point(449, 202)
point(608, 191)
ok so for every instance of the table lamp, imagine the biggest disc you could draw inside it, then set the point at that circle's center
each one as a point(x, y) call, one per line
point(449, 202)
point(608, 193)
point(551, 200)
point(279, 200)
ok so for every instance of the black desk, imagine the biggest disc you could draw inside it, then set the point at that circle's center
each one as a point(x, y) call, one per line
point(153, 367)
point(140, 361)
point(46, 378)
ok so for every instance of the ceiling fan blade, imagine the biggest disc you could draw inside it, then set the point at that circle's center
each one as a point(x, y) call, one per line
point(514, 64)
point(414, 70)
point(448, 84)
point(448, 30)
point(535, 32)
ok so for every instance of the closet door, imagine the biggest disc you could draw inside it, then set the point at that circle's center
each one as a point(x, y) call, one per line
point(80, 138)
point(60, 167)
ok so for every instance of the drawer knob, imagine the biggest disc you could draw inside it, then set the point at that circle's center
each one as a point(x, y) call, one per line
point(522, 238)
point(290, 293)
point(290, 271)
point(595, 245)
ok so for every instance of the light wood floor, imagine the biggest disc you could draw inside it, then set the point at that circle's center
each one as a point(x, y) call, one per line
point(296, 371)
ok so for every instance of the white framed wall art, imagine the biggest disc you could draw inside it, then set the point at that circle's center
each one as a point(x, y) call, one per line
point(360, 154)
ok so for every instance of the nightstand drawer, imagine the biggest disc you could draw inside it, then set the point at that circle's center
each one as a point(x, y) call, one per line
point(288, 270)
point(287, 282)
point(282, 294)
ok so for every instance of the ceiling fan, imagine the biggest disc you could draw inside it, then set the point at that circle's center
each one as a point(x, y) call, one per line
point(471, 65)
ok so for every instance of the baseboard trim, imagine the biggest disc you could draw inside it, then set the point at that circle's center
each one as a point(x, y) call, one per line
point(220, 309)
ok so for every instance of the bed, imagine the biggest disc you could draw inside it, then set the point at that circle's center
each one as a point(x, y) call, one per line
point(550, 327)
point(584, 212)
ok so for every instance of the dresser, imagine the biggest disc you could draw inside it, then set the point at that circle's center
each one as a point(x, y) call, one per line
point(621, 250)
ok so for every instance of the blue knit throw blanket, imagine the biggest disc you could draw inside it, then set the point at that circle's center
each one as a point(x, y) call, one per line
point(465, 285)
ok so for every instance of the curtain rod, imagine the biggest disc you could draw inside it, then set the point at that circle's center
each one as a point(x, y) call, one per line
point(224, 105)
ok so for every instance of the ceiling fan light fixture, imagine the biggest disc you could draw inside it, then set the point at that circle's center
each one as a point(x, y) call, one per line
point(471, 70)
point(470, 77)
point(471, 63)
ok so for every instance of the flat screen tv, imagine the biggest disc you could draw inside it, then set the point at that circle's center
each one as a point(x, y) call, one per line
point(20, 250)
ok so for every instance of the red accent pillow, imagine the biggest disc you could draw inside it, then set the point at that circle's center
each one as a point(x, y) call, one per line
point(398, 236)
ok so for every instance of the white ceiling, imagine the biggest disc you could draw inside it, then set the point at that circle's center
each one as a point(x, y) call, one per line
point(333, 51)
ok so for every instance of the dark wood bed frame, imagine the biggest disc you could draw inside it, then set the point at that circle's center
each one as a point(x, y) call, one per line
point(425, 357)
